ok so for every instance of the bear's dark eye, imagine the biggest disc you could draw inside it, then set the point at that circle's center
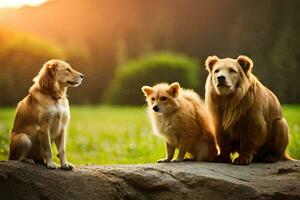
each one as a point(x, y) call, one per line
point(163, 98)
point(216, 71)
point(232, 71)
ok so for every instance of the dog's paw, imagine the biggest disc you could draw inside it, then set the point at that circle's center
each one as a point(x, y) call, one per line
point(242, 160)
point(30, 161)
point(221, 159)
point(67, 166)
point(52, 165)
point(164, 160)
point(26, 160)
point(177, 160)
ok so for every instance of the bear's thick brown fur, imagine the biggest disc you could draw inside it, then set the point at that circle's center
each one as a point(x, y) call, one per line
point(246, 115)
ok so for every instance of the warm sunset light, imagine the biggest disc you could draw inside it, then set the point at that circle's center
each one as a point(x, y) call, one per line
point(20, 3)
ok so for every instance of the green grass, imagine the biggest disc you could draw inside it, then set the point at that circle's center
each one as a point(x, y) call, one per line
point(101, 135)
point(119, 135)
point(292, 114)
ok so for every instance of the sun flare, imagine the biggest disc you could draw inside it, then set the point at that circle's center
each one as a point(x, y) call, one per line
point(20, 3)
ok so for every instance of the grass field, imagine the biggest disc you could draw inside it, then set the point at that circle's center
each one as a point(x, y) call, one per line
point(115, 135)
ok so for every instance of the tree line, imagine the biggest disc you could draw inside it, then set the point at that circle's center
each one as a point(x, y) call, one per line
point(98, 36)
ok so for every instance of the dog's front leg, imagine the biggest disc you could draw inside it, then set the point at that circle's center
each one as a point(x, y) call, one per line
point(45, 142)
point(61, 148)
point(170, 153)
point(183, 147)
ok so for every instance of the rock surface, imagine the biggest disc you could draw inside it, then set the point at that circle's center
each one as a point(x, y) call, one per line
point(188, 180)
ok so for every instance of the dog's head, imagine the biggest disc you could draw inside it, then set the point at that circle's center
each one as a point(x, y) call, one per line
point(57, 73)
point(162, 98)
point(228, 74)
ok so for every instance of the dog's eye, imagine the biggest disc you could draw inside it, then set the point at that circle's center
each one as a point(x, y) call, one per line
point(68, 69)
point(232, 71)
point(163, 98)
point(216, 71)
point(152, 99)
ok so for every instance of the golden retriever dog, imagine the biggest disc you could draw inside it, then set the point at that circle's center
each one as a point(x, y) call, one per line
point(247, 116)
point(43, 116)
point(179, 115)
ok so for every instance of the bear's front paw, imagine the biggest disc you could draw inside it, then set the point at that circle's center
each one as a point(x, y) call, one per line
point(67, 166)
point(164, 160)
point(242, 160)
point(222, 159)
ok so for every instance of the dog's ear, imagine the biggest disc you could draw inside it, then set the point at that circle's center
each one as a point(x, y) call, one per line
point(47, 76)
point(174, 89)
point(147, 90)
point(245, 62)
point(210, 61)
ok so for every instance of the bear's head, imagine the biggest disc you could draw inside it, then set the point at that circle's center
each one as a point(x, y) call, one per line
point(227, 75)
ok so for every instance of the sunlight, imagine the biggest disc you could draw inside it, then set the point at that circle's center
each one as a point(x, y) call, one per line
point(20, 3)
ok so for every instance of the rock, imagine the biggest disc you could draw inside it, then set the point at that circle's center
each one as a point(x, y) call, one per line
point(188, 180)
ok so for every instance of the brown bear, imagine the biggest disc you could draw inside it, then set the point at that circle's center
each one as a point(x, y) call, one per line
point(247, 116)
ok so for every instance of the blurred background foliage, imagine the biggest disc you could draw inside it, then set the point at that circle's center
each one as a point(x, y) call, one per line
point(151, 69)
point(98, 37)
point(21, 56)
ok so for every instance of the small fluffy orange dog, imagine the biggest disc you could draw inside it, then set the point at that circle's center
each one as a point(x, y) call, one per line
point(43, 116)
point(180, 117)
point(247, 115)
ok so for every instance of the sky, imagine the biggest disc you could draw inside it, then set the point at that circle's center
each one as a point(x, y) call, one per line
point(20, 3)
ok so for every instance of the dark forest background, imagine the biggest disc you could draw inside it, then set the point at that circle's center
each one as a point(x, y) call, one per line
point(97, 36)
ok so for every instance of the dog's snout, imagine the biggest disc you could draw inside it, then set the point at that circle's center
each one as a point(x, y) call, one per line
point(156, 108)
point(221, 79)
point(81, 75)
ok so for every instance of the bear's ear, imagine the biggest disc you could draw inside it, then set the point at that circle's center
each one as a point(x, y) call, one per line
point(210, 61)
point(174, 89)
point(147, 90)
point(245, 62)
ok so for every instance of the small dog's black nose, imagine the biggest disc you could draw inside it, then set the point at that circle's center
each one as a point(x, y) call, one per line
point(155, 108)
point(81, 75)
point(221, 79)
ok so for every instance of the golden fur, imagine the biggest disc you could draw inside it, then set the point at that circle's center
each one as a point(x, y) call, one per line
point(247, 116)
point(43, 116)
point(180, 117)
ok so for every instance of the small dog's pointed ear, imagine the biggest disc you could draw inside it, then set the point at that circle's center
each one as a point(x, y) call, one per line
point(174, 89)
point(245, 62)
point(147, 90)
point(210, 61)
